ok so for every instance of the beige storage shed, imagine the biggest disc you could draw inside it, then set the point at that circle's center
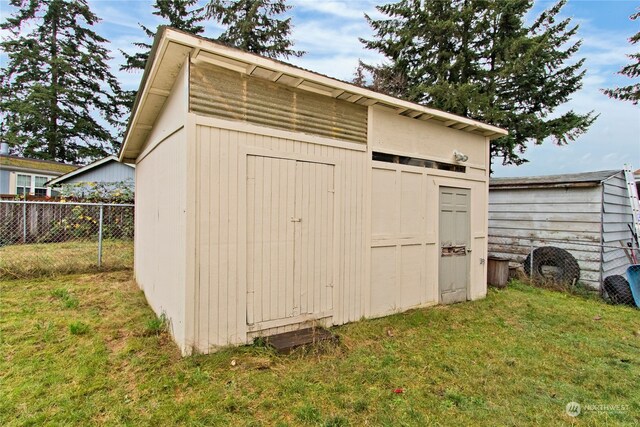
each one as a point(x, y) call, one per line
point(270, 198)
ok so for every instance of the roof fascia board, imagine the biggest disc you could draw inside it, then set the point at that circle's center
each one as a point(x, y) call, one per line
point(157, 51)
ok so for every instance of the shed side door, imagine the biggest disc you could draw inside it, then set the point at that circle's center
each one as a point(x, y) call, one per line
point(290, 214)
point(454, 244)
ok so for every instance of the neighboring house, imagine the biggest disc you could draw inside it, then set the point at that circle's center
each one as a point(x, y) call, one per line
point(19, 175)
point(106, 171)
point(587, 214)
point(271, 198)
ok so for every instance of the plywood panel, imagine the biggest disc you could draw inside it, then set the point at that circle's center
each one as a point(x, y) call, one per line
point(383, 280)
point(385, 218)
point(411, 279)
point(412, 212)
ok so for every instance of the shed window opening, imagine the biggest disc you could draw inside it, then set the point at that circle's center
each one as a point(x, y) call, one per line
point(414, 161)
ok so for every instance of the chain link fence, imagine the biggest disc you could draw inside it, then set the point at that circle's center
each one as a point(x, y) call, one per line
point(49, 238)
point(573, 265)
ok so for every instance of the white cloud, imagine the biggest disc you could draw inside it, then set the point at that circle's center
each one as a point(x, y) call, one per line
point(354, 9)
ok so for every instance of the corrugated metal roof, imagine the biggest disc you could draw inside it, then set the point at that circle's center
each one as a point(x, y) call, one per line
point(572, 179)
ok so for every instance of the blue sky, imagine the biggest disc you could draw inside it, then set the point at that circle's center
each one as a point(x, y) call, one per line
point(328, 31)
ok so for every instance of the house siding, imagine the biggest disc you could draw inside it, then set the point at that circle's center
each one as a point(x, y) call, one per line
point(108, 172)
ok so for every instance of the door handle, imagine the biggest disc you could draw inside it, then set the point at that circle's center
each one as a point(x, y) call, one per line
point(468, 250)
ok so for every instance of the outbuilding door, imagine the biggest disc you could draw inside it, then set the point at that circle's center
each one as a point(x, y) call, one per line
point(290, 241)
point(454, 244)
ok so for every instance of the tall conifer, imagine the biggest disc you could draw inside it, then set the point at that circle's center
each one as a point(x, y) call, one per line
point(632, 91)
point(479, 59)
point(254, 26)
point(59, 99)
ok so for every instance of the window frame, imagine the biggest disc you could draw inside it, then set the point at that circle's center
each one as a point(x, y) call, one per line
point(30, 190)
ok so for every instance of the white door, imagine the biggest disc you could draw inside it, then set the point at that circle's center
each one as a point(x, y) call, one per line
point(290, 239)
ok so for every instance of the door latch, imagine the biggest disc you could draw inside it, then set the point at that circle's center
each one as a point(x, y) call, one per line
point(296, 219)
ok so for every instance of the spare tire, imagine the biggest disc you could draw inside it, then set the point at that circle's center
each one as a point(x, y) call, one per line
point(618, 290)
point(550, 262)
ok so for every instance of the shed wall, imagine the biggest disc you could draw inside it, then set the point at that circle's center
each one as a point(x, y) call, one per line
point(222, 148)
point(404, 210)
point(161, 231)
point(161, 214)
point(392, 133)
point(568, 218)
point(616, 217)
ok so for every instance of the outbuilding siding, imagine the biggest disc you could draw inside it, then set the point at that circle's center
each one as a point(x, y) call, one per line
point(569, 218)
point(616, 217)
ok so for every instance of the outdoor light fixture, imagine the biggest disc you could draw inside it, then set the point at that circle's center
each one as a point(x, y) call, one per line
point(460, 157)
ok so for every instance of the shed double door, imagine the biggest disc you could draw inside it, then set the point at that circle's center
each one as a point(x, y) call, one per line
point(290, 241)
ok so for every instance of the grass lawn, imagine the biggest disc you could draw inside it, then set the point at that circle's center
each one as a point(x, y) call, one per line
point(86, 349)
point(50, 259)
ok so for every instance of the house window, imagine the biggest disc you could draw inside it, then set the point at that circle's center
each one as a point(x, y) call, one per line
point(23, 184)
point(39, 188)
point(31, 184)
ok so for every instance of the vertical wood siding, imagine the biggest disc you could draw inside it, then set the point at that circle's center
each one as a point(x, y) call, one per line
point(226, 230)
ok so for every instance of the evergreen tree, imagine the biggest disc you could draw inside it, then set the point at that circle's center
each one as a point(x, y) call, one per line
point(252, 25)
point(177, 15)
point(631, 92)
point(477, 58)
point(58, 99)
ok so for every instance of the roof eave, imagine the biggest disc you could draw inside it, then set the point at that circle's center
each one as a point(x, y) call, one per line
point(204, 50)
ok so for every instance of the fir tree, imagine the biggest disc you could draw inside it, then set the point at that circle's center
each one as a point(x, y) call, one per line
point(252, 25)
point(59, 99)
point(630, 92)
point(177, 15)
point(477, 58)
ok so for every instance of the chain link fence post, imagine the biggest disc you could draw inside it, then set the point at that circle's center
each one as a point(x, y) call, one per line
point(42, 238)
point(24, 221)
point(100, 235)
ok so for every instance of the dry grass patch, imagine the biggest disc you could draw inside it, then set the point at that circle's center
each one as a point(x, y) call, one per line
point(54, 259)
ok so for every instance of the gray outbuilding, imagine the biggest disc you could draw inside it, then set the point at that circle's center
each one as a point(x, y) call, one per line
point(587, 214)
